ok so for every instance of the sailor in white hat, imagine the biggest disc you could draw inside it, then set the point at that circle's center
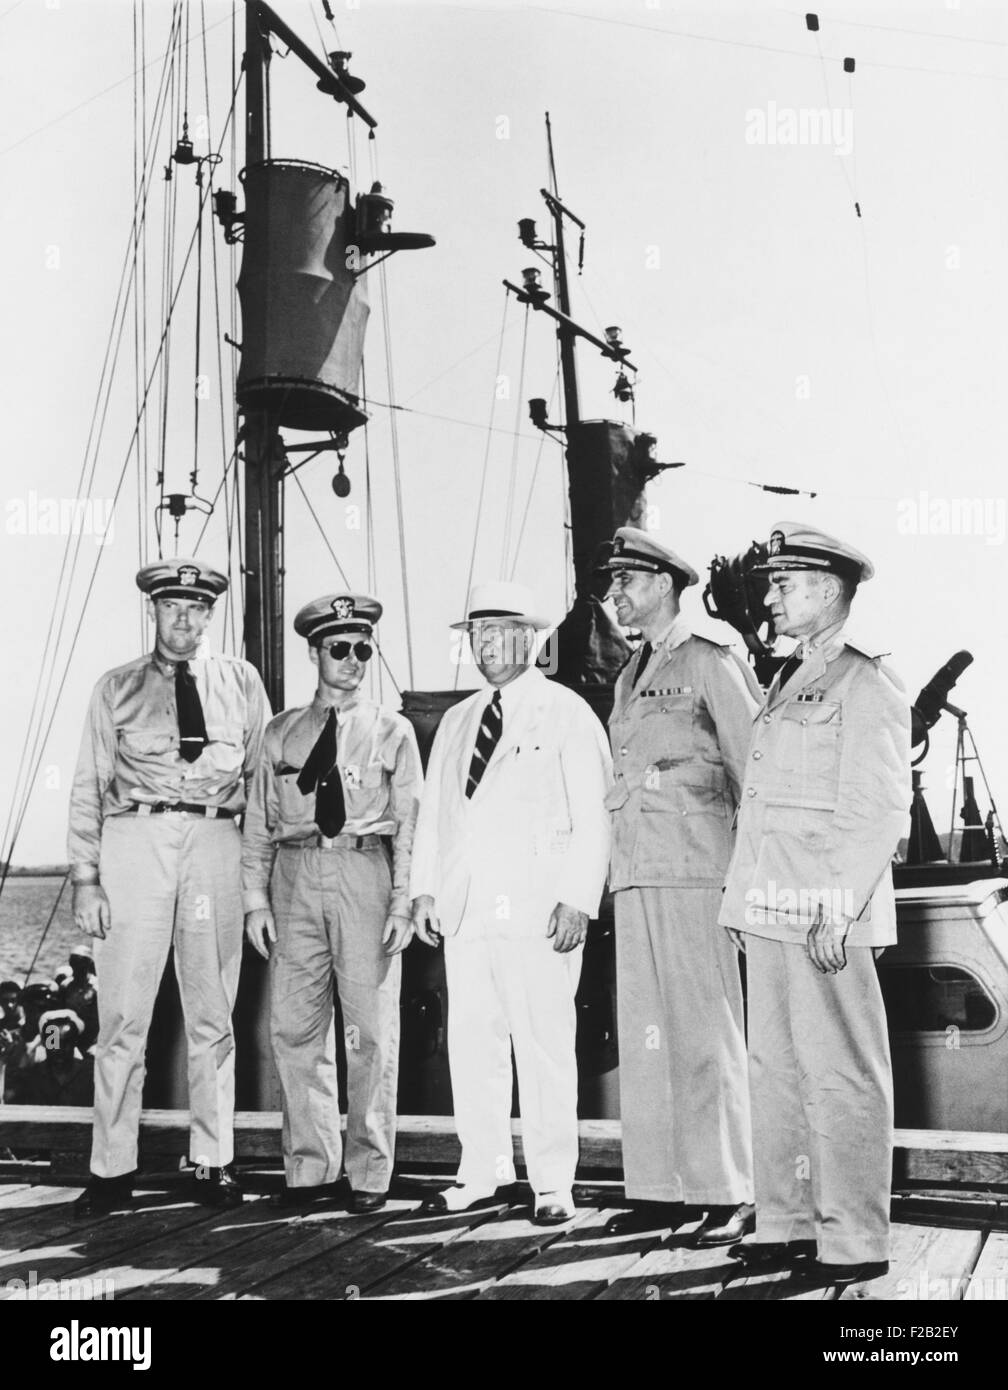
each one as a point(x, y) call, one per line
point(336, 789)
point(509, 864)
point(680, 728)
point(168, 749)
point(809, 893)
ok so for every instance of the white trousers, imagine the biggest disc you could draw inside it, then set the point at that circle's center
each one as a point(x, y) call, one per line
point(506, 992)
point(169, 879)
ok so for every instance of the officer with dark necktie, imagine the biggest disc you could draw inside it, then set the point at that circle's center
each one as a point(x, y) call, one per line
point(168, 750)
point(338, 784)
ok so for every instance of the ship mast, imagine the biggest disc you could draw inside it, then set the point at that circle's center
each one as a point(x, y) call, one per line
point(264, 459)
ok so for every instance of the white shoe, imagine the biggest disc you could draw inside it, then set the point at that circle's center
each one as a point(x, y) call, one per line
point(460, 1198)
point(552, 1208)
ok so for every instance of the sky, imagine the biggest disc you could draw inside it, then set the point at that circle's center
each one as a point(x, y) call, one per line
point(782, 339)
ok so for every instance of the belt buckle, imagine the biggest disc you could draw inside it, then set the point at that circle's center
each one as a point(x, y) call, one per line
point(327, 841)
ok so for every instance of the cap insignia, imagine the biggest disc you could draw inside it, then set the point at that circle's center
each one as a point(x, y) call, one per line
point(343, 608)
point(776, 542)
point(188, 574)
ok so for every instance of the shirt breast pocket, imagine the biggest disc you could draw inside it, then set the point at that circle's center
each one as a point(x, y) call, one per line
point(810, 733)
point(225, 750)
point(665, 728)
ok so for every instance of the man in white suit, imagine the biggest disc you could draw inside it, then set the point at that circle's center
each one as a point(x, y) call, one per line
point(509, 863)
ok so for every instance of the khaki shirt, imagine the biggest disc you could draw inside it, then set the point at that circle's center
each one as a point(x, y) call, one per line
point(130, 748)
point(379, 766)
point(679, 741)
point(826, 799)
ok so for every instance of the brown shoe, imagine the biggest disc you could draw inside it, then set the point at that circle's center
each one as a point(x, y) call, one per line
point(756, 1256)
point(725, 1225)
point(103, 1195)
point(362, 1202)
point(217, 1189)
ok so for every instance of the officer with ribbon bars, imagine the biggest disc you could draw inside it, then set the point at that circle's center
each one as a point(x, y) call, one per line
point(680, 728)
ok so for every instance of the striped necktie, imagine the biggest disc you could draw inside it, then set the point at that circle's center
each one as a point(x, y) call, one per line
point(490, 729)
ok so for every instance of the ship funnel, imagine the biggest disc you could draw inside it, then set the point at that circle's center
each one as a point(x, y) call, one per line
point(304, 310)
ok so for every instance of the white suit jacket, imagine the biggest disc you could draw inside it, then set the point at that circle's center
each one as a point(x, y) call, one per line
point(535, 832)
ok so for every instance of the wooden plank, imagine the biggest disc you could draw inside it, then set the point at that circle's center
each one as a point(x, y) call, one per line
point(989, 1279)
point(283, 1243)
point(582, 1264)
point(34, 1198)
point(348, 1272)
point(476, 1259)
point(673, 1270)
point(921, 1155)
point(925, 1263)
point(68, 1247)
point(8, 1189)
point(174, 1253)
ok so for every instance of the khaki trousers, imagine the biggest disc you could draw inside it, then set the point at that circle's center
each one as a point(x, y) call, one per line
point(330, 908)
point(170, 879)
point(822, 1101)
point(505, 991)
point(684, 1095)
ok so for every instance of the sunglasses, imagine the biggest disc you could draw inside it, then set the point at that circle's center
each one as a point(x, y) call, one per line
point(341, 650)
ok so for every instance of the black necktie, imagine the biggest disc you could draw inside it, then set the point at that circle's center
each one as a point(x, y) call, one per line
point(490, 729)
point(788, 669)
point(321, 775)
point(643, 657)
point(191, 724)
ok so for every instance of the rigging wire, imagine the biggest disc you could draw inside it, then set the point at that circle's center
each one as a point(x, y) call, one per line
point(513, 476)
point(342, 571)
point(394, 432)
point(371, 565)
point(85, 479)
point(532, 483)
point(486, 464)
point(42, 736)
point(45, 930)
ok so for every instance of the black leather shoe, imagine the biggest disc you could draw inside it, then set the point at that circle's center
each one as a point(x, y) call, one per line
point(361, 1202)
point(647, 1216)
point(217, 1189)
point(298, 1198)
point(756, 1256)
point(726, 1225)
point(814, 1274)
point(103, 1195)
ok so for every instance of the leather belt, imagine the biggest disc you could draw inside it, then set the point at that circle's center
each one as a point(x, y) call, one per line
point(165, 808)
point(320, 841)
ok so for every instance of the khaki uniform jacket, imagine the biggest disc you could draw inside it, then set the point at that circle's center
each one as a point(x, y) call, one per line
point(679, 744)
point(826, 798)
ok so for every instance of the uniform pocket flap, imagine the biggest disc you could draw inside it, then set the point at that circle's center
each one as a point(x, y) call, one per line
point(812, 711)
point(617, 796)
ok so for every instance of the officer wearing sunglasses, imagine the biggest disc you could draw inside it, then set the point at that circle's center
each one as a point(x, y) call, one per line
point(325, 874)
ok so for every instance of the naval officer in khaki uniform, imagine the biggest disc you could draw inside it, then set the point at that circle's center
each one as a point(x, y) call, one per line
point(325, 872)
point(680, 728)
point(167, 754)
point(825, 801)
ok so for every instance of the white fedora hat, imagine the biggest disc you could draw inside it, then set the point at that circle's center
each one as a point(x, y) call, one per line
point(502, 599)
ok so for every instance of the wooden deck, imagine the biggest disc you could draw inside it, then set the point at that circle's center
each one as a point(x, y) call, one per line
point(946, 1247)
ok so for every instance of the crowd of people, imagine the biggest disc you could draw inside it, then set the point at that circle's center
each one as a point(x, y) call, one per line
point(48, 1032)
